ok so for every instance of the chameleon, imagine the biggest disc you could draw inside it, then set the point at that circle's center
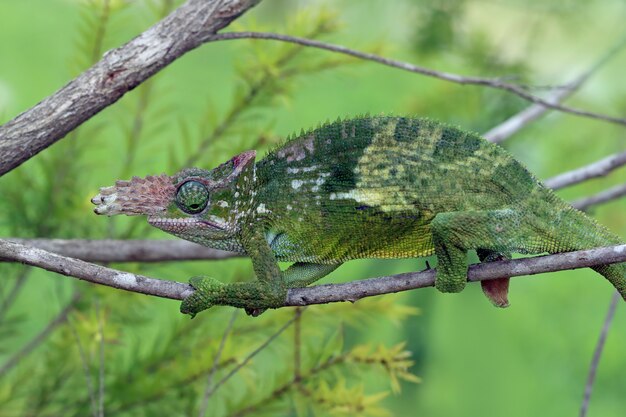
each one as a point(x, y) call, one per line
point(366, 187)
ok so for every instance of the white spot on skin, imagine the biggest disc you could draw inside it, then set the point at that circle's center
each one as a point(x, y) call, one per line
point(353, 194)
point(125, 280)
point(236, 194)
point(300, 219)
point(289, 207)
point(262, 209)
point(295, 184)
point(303, 169)
point(222, 203)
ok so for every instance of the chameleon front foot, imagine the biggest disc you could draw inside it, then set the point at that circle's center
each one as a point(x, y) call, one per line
point(207, 293)
point(255, 297)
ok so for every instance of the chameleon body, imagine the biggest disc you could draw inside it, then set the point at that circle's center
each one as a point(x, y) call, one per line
point(369, 187)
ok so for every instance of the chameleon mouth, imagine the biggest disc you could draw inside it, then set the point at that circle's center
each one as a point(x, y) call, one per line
point(183, 224)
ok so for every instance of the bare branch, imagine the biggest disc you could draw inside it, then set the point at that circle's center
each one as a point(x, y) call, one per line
point(446, 76)
point(320, 294)
point(86, 373)
point(597, 169)
point(99, 317)
point(119, 71)
point(7, 301)
point(516, 122)
point(92, 272)
point(598, 353)
point(112, 250)
point(605, 196)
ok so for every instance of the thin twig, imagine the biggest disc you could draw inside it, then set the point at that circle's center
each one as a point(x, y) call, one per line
point(602, 197)
point(251, 355)
point(446, 76)
point(161, 393)
point(11, 296)
point(101, 31)
point(597, 169)
point(319, 294)
point(40, 337)
point(99, 317)
point(516, 122)
point(593, 368)
point(287, 386)
point(85, 363)
point(209, 382)
point(297, 345)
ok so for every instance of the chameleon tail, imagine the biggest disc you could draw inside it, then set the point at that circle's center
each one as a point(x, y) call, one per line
point(574, 230)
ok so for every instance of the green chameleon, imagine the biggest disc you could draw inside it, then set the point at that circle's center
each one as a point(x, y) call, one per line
point(369, 187)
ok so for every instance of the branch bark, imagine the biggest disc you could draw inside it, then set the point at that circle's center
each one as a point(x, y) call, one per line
point(119, 71)
point(605, 196)
point(319, 294)
point(596, 169)
point(518, 121)
point(139, 250)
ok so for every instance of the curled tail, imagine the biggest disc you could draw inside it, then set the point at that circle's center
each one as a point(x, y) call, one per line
point(574, 230)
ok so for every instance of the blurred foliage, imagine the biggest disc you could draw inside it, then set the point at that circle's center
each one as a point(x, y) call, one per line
point(226, 97)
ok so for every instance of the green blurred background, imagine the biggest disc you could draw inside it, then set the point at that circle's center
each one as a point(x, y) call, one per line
point(473, 359)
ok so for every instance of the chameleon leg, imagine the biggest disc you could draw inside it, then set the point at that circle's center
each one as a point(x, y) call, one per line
point(455, 233)
point(299, 275)
point(252, 295)
point(302, 274)
point(496, 290)
point(268, 291)
point(255, 296)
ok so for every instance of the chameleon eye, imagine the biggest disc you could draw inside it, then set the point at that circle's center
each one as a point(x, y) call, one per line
point(192, 197)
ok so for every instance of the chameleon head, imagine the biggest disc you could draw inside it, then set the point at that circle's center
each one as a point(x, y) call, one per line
point(194, 204)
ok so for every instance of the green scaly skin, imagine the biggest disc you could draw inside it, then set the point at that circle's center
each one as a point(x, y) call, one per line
point(369, 187)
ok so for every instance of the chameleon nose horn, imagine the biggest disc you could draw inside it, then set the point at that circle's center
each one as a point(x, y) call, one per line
point(139, 196)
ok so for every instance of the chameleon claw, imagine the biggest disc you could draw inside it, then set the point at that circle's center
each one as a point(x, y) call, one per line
point(206, 295)
point(255, 312)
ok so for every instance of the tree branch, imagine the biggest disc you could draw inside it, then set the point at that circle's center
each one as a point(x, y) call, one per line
point(605, 196)
point(119, 71)
point(516, 122)
point(319, 294)
point(596, 169)
point(136, 250)
point(446, 76)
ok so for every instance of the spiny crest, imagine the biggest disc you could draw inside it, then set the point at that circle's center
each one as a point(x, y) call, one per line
point(303, 133)
point(150, 195)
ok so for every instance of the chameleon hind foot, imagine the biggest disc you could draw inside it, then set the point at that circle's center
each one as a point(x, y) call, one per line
point(255, 297)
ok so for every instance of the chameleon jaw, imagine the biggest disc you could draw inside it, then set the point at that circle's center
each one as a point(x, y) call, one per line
point(186, 225)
